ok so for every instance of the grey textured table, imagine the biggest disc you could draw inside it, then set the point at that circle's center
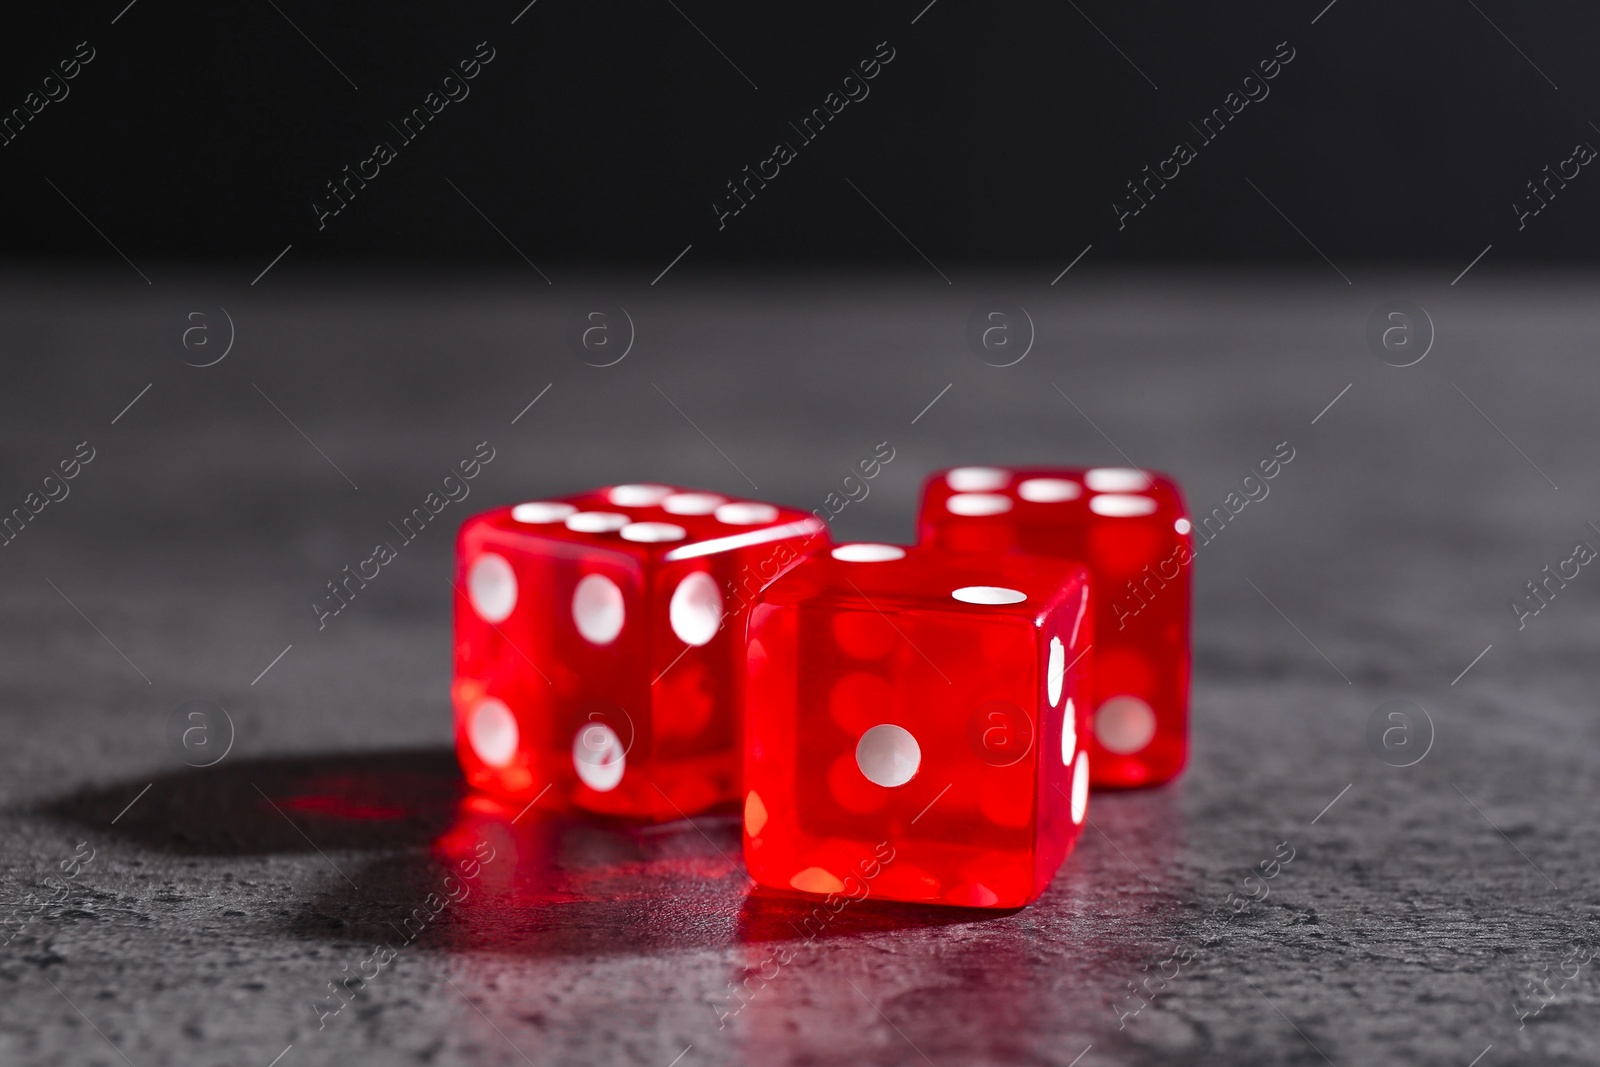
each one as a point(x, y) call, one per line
point(220, 902)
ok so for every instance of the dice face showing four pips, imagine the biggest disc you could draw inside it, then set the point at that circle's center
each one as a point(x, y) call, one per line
point(926, 701)
point(912, 723)
point(599, 647)
point(1131, 528)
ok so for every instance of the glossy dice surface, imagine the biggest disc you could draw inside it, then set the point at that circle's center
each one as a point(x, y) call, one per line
point(1132, 529)
point(599, 645)
point(913, 726)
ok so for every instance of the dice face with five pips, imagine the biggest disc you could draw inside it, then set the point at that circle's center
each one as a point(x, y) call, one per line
point(599, 650)
point(913, 725)
point(1132, 529)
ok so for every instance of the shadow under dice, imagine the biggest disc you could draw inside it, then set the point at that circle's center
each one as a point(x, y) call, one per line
point(914, 726)
point(1131, 528)
point(599, 652)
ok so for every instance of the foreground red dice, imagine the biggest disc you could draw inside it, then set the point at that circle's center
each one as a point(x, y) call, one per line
point(599, 644)
point(1132, 529)
point(913, 726)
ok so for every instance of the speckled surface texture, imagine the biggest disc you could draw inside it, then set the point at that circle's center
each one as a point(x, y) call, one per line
point(1420, 901)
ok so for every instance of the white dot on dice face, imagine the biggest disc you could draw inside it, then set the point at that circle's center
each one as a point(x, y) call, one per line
point(865, 553)
point(988, 594)
point(492, 587)
point(977, 479)
point(638, 496)
point(598, 757)
point(1119, 505)
point(1049, 490)
point(1056, 672)
point(1069, 733)
point(541, 511)
point(755, 814)
point(978, 504)
point(1116, 480)
point(1080, 788)
point(746, 514)
point(492, 732)
point(1124, 725)
point(692, 503)
point(651, 533)
point(696, 609)
point(816, 880)
point(597, 522)
point(1183, 526)
point(888, 755)
point(597, 609)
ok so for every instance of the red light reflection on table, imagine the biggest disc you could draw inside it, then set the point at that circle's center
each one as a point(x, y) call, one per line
point(563, 883)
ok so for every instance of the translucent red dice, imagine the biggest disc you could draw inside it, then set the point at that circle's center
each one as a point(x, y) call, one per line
point(1132, 529)
point(913, 726)
point(599, 649)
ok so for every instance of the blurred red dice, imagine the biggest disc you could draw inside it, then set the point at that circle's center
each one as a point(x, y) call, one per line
point(599, 650)
point(913, 726)
point(1132, 529)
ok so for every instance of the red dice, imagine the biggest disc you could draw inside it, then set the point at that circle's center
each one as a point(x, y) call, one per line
point(599, 647)
point(913, 723)
point(1132, 529)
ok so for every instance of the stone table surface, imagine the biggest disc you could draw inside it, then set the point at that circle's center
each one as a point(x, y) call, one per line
point(160, 913)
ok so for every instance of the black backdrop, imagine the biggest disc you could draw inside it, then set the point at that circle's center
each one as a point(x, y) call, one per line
point(605, 132)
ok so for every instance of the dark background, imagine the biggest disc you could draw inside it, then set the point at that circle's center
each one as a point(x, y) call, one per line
point(602, 132)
